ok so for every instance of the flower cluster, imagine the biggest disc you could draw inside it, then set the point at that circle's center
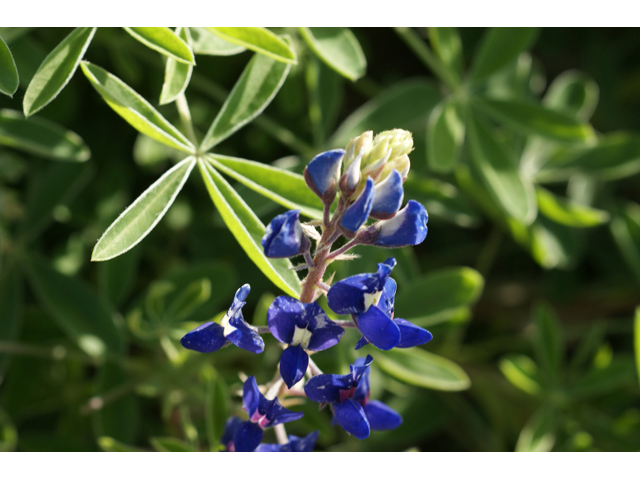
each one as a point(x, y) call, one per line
point(361, 188)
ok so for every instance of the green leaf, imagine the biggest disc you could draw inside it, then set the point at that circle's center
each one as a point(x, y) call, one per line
point(547, 341)
point(499, 47)
point(135, 109)
point(259, 40)
point(539, 434)
point(442, 294)
point(625, 228)
point(513, 192)
point(77, 309)
point(109, 444)
point(423, 369)
point(533, 118)
point(446, 42)
point(286, 188)
point(170, 444)
point(189, 300)
point(207, 43)
point(9, 80)
point(445, 134)
point(248, 230)
point(163, 40)
point(573, 93)
point(143, 215)
point(568, 212)
point(176, 74)
point(56, 70)
point(338, 48)
point(216, 410)
point(117, 415)
point(400, 106)
point(41, 137)
point(254, 90)
point(522, 372)
point(602, 381)
point(636, 339)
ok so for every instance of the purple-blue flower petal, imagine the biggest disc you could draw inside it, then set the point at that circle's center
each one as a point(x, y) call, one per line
point(282, 317)
point(381, 416)
point(387, 299)
point(407, 227)
point(296, 444)
point(293, 363)
point(277, 414)
point(388, 197)
point(361, 343)
point(239, 300)
point(206, 338)
point(230, 429)
point(350, 416)
point(251, 395)
point(247, 437)
point(360, 370)
point(244, 336)
point(378, 328)
point(323, 170)
point(411, 335)
point(326, 334)
point(359, 211)
point(326, 388)
point(283, 236)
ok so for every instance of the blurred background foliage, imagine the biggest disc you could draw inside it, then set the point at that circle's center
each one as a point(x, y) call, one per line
point(527, 155)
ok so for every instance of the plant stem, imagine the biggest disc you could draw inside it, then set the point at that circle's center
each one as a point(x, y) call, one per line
point(281, 434)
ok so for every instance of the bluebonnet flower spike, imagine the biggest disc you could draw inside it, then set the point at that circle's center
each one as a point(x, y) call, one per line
point(283, 236)
point(407, 227)
point(211, 336)
point(296, 444)
point(358, 211)
point(388, 197)
point(304, 326)
point(323, 172)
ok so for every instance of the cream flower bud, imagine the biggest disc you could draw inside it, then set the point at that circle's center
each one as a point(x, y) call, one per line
point(398, 141)
point(360, 144)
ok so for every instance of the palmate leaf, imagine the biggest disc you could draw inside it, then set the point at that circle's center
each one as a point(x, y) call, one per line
point(568, 212)
point(176, 74)
point(259, 40)
point(206, 42)
point(56, 70)
point(539, 434)
point(286, 188)
point(248, 230)
point(573, 93)
point(445, 134)
point(143, 215)
point(338, 48)
point(41, 137)
point(163, 40)
point(446, 43)
point(135, 109)
point(254, 90)
point(9, 80)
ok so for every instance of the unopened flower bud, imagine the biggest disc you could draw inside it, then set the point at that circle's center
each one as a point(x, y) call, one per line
point(398, 141)
point(323, 172)
point(283, 236)
point(388, 197)
point(401, 164)
point(360, 144)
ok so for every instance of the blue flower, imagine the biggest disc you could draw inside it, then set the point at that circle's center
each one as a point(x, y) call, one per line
point(407, 227)
point(322, 173)
point(210, 336)
point(283, 236)
point(348, 396)
point(358, 211)
point(304, 326)
point(245, 436)
point(296, 444)
point(388, 198)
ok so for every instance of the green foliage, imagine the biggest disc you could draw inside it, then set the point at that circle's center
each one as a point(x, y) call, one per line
point(8, 72)
point(338, 48)
point(259, 40)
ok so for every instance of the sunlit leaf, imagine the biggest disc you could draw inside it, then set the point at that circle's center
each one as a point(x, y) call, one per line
point(551, 244)
point(539, 434)
point(446, 43)
point(573, 93)
point(441, 293)
point(254, 90)
point(286, 188)
point(208, 43)
point(41, 137)
point(422, 369)
point(143, 215)
point(568, 212)
point(9, 80)
point(500, 45)
point(259, 40)
point(248, 230)
point(176, 74)
point(163, 40)
point(445, 134)
point(338, 48)
point(56, 70)
point(522, 372)
point(135, 109)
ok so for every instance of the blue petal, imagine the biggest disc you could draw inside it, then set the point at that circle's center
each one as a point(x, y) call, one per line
point(360, 370)
point(206, 338)
point(360, 367)
point(352, 294)
point(326, 388)
point(277, 414)
point(244, 336)
point(282, 317)
point(322, 171)
point(251, 395)
point(350, 416)
point(361, 343)
point(411, 335)
point(378, 328)
point(248, 437)
point(388, 198)
point(326, 334)
point(239, 300)
point(382, 417)
point(230, 429)
point(293, 363)
point(358, 211)
point(296, 444)
point(283, 236)
point(408, 227)
point(387, 299)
